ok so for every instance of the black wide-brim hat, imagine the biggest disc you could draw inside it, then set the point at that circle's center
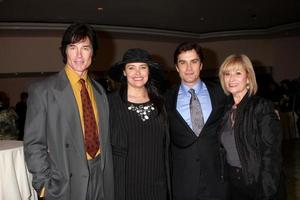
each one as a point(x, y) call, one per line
point(136, 55)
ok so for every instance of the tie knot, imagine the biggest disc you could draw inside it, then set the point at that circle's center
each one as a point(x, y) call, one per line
point(82, 81)
point(192, 92)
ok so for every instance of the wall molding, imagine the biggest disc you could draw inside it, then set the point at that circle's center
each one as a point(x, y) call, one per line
point(282, 30)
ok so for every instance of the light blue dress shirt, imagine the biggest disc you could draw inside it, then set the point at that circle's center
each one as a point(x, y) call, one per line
point(183, 101)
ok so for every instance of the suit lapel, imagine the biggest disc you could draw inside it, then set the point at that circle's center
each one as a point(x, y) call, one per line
point(64, 95)
point(191, 135)
point(209, 89)
point(212, 95)
point(101, 101)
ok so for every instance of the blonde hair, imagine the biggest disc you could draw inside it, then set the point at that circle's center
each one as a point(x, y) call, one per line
point(239, 61)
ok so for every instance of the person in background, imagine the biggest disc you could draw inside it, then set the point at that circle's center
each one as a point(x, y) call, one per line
point(250, 135)
point(8, 119)
point(21, 108)
point(66, 141)
point(195, 108)
point(139, 129)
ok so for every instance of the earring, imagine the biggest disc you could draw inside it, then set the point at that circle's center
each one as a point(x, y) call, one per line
point(247, 86)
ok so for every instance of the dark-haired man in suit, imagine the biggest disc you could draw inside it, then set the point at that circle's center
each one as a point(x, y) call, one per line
point(196, 164)
point(66, 141)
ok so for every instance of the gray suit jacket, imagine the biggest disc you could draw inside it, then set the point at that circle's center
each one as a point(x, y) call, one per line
point(53, 141)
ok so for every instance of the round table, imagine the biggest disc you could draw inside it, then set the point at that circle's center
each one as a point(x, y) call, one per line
point(15, 179)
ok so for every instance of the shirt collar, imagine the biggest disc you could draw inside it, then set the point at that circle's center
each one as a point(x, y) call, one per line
point(73, 76)
point(197, 87)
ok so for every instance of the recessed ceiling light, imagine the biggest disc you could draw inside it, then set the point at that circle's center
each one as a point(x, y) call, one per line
point(98, 8)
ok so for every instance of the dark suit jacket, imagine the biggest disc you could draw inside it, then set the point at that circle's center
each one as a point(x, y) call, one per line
point(195, 161)
point(53, 141)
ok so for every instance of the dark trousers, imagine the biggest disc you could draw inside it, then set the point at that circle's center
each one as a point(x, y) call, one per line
point(95, 185)
point(238, 188)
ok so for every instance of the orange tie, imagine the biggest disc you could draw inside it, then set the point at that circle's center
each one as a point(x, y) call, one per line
point(90, 126)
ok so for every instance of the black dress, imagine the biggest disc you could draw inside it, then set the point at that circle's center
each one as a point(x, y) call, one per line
point(138, 137)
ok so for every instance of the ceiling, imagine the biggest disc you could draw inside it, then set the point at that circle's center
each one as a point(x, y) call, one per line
point(173, 18)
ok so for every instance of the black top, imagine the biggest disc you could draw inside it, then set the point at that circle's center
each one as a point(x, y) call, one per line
point(138, 142)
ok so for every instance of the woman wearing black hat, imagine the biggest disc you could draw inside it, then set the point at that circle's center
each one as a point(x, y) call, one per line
point(139, 129)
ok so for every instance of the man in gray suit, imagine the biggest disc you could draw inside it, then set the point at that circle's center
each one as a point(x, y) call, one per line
point(56, 133)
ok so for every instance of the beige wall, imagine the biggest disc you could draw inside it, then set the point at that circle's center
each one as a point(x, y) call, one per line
point(41, 54)
point(14, 86)
point(29, 54)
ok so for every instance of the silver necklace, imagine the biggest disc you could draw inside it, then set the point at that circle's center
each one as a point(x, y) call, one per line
point(143, 111)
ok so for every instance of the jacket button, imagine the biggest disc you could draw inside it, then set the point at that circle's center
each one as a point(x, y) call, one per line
point(71, 175)
point(67, 145)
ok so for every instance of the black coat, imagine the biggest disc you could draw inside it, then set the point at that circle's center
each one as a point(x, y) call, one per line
point(195, 161)
point(258, 139)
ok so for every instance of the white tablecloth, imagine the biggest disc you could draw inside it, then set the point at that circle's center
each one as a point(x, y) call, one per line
point(15, 180)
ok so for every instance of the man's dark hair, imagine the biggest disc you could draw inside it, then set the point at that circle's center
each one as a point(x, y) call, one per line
point(75, 33)
point(187, 46)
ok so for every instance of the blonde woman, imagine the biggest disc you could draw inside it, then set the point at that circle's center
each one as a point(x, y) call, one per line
point(250, 135)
